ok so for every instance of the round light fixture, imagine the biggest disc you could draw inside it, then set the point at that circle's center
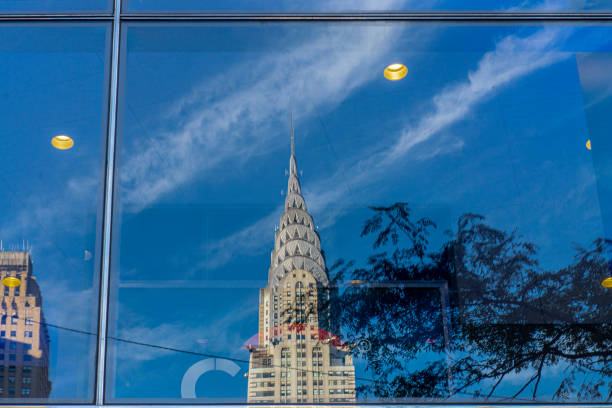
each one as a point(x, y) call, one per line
point(62, 142)
point(607, 283)
point(588, 144)
point(11, 282)
point(395, 72)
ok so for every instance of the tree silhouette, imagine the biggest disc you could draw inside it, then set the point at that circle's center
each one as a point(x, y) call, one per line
point(509, 315)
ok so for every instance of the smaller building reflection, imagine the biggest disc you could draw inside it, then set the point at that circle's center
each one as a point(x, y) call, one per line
point(24, 339)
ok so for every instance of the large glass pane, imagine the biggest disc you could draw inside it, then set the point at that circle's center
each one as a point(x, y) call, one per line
point(340, 212)
point(53, 119)
point(51, 6)
point(363, 5)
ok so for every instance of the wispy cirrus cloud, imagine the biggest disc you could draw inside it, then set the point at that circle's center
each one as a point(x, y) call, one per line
point(512, 58)
point(222, 335)
point(229, 123)
point(546, 5)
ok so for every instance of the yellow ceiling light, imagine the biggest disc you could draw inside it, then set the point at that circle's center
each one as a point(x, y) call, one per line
point(62, 142)
point(588, 144)
point(395, 72)
point(607, 283)
point(11, 281)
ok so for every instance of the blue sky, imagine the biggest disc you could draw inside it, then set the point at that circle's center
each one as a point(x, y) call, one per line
point(490, 119)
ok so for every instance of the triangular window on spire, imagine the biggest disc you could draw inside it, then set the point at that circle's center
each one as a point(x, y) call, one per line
point(287, 238)
point(297, 250)
point(295, 234)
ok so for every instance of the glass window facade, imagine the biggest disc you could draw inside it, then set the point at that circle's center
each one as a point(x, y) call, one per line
point(295, 209)
point(54, 115)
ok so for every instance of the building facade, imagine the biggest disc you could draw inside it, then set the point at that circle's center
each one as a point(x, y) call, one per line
point(298, 358)
point(24, 341)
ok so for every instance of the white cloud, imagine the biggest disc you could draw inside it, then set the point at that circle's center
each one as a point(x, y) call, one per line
point(222, 335)
point(228, 122)
point(547, 5)
point(248, 239)
point(513, 58)
point(42, 213)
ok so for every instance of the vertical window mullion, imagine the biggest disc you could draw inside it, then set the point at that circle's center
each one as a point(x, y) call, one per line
point(108, 210)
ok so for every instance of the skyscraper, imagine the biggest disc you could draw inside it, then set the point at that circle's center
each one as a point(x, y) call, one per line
point(24, 341)
point(298, 357)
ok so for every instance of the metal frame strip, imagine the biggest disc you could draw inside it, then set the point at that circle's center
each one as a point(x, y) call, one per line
point(328, 405)
point(108, 207)
point(492, 16)
point(56, 17)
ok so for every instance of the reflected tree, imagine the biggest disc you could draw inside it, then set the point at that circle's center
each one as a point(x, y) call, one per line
point(511, 318)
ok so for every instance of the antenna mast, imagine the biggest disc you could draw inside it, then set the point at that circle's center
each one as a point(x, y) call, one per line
point(292, 135)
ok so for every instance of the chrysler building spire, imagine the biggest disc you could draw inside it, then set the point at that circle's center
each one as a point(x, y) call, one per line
point(293, 185)
point(295, 349)
point(296, 244)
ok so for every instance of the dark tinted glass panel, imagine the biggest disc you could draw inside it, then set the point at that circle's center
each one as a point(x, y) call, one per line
point(330, 213)
point(364, 5)
point(53, 119)
point(49, 6)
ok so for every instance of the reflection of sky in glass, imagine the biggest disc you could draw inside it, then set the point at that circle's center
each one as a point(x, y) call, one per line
point(364, 5)
point(11, 6)
point(53, 83)
point(489, 120)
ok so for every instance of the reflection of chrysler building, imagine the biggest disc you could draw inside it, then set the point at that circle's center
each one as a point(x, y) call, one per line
point(24, 342)
point(297, 358)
